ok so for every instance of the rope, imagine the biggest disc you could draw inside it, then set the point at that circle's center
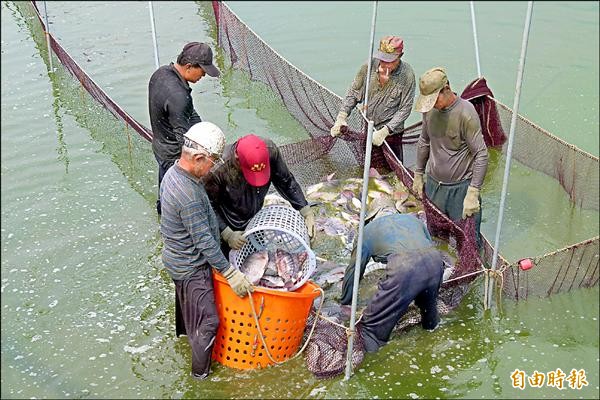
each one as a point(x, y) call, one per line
point(262, 338)
point(497, 276)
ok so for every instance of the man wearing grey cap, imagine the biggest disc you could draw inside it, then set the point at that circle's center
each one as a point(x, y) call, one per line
point(170, 103)
point(391, 94)
point(451, 145)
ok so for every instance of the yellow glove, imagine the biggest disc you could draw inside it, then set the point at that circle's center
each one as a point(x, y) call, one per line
point(339, 122)
point(238, 281)
point(309, 220)
point(471, 202)
point(417, 185)
point(234, 239)
point(380, 135)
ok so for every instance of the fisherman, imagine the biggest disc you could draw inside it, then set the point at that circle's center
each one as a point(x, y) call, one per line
point(414, 272)
point(170, 103)
point(190, 233)
point(391, 94)
point(452, 144)
point(386, 232)
point(237, 189)
point(410, 275)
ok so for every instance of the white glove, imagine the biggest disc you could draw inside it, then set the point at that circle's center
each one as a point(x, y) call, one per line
point(234, 239)
point(309, 220)
point(238, 281)
point(417, 185)
point(339, 122)
point(380, 135)
point(471, 202)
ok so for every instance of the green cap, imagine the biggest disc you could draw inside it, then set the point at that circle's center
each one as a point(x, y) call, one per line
point(430, 85)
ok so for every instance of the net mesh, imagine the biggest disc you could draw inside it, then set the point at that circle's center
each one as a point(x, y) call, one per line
point(315, 107)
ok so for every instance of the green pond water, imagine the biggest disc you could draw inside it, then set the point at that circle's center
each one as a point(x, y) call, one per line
point(87, 309)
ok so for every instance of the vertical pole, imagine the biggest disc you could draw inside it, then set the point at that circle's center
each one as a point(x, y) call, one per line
point(365, 190)
point(156, 61)
point(48, 37)
point(475, 38)
point(513, 124)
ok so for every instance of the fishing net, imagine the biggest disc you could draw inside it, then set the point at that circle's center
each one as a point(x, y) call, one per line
point(315, 107)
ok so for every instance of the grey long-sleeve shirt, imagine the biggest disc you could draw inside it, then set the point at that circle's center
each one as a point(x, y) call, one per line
point(452, 144)
point(188, 226)
point(389, 105)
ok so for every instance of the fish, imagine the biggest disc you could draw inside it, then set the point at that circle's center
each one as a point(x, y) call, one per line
point(254, 266)
point(271, 268)
point(383, 186)
point(331, 277)
point(289, 265)
point(331, 226)
point(373, 173)
point(272, 281)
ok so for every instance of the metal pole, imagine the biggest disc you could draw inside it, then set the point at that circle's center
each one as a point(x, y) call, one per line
point(365, 189)
point(48, 37)
point(475, 38)
point(513, 124)
point(156, 61)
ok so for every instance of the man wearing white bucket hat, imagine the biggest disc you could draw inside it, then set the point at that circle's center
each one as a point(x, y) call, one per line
point(451, 145)
point(190, 232)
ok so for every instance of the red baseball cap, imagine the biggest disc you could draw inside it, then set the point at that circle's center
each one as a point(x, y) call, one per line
point(253, 156)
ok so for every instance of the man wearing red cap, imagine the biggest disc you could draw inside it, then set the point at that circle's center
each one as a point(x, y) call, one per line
point(237, 189)
point(391, 94)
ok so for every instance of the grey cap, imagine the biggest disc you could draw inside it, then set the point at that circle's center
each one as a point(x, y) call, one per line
point(201, 54)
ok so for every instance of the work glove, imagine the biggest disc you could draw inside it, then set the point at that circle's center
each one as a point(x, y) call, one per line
point(417, 185)
point(380, 135)
point(339, 122)
point(309, 220)
point(471, 202)
point(234, 239)
point(238, 281)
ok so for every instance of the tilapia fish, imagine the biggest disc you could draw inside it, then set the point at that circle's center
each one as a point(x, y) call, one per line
point(281, 269)
point(288, 265)
point(254, 266)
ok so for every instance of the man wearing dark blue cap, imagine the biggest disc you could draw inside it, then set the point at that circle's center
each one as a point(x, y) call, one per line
point(170, 103)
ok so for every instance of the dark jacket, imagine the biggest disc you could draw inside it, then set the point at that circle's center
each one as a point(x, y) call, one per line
point(171, 111)
point(235, 201)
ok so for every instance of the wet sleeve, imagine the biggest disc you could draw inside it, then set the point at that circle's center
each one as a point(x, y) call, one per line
point(474, 140)
point(406, 104)
point(422, 148)
point(194, 217)
point(284, 181)
point(355, 93)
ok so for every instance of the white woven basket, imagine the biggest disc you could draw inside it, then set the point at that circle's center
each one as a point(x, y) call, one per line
point(277, 227)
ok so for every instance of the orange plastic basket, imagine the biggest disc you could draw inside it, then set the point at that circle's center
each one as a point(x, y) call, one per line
point(282, 319)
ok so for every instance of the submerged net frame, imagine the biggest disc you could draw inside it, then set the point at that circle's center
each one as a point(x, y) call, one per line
point(315, 107)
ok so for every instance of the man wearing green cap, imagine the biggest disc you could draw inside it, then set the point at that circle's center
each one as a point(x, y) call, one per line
point(391, 94)
point(452, 145)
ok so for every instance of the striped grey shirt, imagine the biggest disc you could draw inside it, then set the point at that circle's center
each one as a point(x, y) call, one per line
point(188, 226)
point(388, 105)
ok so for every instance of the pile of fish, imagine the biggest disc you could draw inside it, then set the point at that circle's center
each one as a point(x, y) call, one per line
point(274, 269)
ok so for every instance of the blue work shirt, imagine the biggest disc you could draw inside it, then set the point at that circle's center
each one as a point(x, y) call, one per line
point(383, 237)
